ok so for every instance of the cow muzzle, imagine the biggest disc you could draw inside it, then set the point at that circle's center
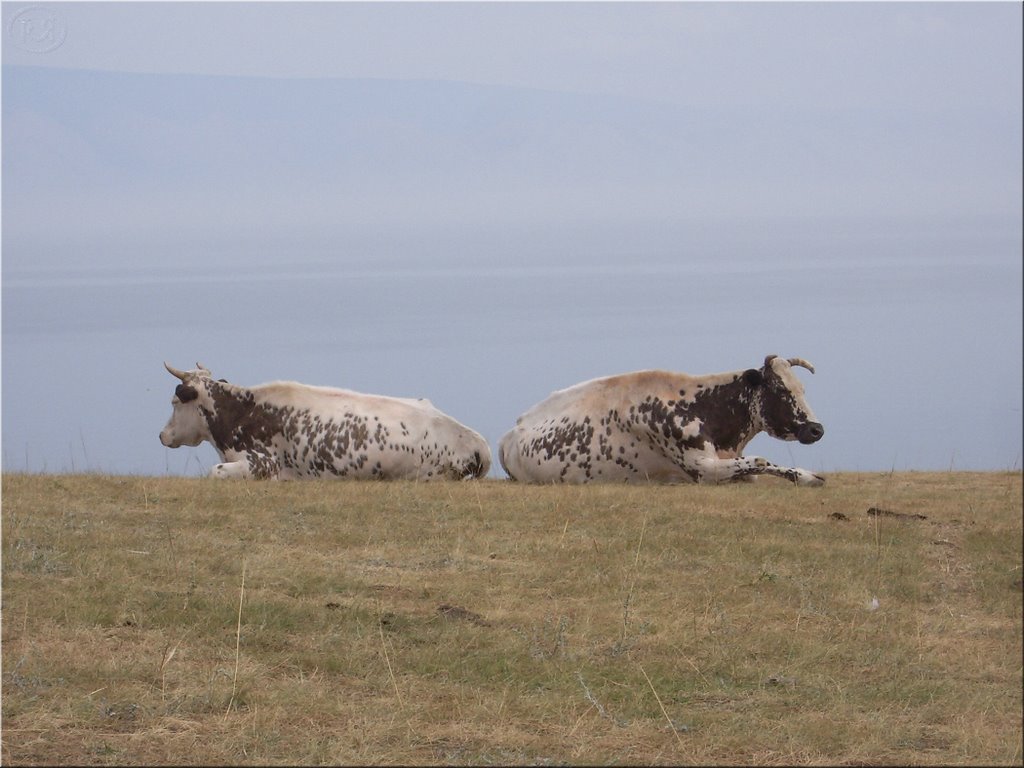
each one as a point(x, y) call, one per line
point(811, 432)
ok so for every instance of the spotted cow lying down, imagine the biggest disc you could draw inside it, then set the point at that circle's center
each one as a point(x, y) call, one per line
point(286, 430)
point(657, 426)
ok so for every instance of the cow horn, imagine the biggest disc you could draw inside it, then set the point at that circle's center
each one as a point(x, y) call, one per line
point(802, 363)
point(174, 371)
point(202, 367)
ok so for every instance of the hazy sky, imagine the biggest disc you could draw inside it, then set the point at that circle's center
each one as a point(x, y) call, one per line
point(483, 202)
point(766, 55)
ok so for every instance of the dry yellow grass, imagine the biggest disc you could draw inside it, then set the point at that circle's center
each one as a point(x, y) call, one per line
point(492, 623)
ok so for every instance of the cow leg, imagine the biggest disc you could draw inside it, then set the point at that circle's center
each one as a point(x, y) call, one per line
point(746, 467)
point(230, 469)
point(254, 464)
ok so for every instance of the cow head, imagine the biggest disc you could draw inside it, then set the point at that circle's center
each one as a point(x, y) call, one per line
point(187, 425)
point(783, 409)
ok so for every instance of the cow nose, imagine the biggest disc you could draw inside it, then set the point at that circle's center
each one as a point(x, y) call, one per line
point(811, 432)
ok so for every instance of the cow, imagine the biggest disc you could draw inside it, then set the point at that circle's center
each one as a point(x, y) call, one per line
point(285, 430)
point(663, 427)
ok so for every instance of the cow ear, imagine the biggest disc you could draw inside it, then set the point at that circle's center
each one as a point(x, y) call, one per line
point(753, 377)
point(185, 393)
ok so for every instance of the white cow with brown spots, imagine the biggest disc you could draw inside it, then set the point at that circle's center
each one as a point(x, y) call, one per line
point(286, 430)
point(659, 426)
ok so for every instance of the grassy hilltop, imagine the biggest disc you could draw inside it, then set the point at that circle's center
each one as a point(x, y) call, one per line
point(173, 621)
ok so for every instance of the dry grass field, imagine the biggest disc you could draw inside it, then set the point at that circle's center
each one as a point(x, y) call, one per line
point(181, 621)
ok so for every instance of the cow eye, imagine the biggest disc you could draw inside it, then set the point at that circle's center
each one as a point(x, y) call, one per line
point(186, 393)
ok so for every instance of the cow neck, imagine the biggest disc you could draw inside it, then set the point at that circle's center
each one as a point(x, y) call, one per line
point(236, 421)
point(757, 422)
point(728, 413)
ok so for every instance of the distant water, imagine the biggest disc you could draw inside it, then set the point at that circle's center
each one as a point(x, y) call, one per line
point(919, 365)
